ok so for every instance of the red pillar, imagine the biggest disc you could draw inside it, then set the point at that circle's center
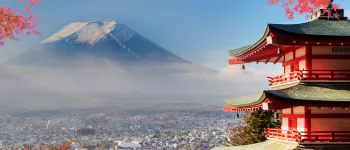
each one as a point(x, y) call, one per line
point(308, 59)
point(307, 119)
point(308, 54)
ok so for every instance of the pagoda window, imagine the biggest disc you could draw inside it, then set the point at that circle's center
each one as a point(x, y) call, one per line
point(284, 124)
point(300, 52)
point(302, 64)
point(300, 124)
point(298, 110)
point(288, 56)
point(287, 69)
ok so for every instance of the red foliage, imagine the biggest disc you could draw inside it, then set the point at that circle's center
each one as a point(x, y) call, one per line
point(14, 23)
point(305, 7)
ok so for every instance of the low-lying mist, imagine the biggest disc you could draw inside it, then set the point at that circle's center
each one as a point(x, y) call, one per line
point(98, 83)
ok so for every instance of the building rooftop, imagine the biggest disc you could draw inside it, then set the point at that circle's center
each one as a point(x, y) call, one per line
point(310, 92)
point(320, 28)
point(316, 27)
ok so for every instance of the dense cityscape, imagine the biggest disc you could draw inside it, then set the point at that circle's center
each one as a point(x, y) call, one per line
point(170, 130)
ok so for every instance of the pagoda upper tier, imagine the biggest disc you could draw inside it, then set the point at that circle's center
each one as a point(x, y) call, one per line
point(315, 51)
point(279, 39)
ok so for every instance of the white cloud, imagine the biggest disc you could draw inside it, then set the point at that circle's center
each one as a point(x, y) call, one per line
point(10, 49)
point(106, 83)
point(215, 59)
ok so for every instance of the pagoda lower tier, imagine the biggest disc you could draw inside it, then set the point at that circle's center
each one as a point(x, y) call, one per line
point(310, 112)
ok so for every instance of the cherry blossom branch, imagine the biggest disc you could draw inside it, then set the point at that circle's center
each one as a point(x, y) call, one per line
point(307, 7)
point(13, 23)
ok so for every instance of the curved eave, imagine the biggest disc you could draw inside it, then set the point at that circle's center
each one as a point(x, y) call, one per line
point(301, 94)
point(236, 53)
point(246, 101)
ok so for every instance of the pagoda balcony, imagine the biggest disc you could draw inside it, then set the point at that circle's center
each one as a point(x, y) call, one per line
point(310, 137)
point(299, 76)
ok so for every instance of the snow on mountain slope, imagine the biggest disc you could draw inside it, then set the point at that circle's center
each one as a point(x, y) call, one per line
point(91, 32)
point(107, 39)
point(66, 31)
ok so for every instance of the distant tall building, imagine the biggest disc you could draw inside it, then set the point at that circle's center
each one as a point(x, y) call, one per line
point(47, 124)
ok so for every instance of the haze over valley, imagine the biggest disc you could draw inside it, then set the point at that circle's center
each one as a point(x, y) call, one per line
point(98, 64)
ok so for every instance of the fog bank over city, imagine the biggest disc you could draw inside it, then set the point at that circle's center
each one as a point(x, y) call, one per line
point(97, 83)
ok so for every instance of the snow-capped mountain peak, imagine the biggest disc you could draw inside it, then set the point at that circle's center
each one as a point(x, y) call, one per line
point(94, 41)
point(84, 32)
point(102, 40)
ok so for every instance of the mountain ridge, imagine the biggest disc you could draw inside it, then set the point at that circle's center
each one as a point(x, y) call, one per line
point(108, 36)
point(108, 39)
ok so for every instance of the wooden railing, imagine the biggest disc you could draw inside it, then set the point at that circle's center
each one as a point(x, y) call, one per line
point(282, 134)
point(310, 136)
point(302, 75)
point(325, 136)
point(326, 74)
point(288, 77)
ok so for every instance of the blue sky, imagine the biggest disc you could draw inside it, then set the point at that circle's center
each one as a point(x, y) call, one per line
point(198, 30)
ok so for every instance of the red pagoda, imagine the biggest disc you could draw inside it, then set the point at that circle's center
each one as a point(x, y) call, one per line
point(313, 94)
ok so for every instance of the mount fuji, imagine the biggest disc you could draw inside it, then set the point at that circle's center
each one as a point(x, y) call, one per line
point(109, 40)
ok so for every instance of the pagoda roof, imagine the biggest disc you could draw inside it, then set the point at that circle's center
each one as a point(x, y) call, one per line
point(320, 28)
point(246, 100)
point(310, 93)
